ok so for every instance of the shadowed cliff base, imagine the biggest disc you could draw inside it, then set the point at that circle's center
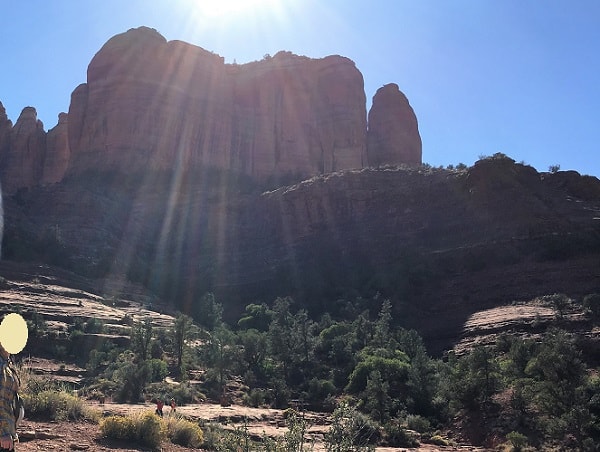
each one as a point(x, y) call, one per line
point(441, 244)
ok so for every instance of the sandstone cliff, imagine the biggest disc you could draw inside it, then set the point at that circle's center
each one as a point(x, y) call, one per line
point(149, 104)
point(154, 104)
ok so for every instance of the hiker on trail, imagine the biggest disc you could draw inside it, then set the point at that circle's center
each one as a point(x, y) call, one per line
point(173, 405)
point(159, 407)
point(13, 337)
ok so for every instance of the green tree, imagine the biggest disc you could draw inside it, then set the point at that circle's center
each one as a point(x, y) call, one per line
point(519, 354)
point(389, 368)
point(141, 337)
point(220, 353)
point(286, 343)
point(474, 379)
point(208, 312)
point(304, 329)
point(382, 327)
point(132, 378)
point(254, 351)
point(181, 332)
point(256, 316)
point(363, 330)
point(422, 384)
point(94, 325)
point(36, 325)
point(376, 396)
point(336, 344)
point(559, 373)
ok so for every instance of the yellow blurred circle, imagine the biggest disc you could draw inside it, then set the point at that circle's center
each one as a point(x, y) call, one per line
point(13, 333)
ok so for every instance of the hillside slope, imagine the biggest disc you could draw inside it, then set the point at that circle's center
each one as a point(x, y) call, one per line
point(440, 244)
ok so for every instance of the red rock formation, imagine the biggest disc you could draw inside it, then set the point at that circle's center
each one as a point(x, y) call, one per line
point(23, 160)
point(158, 103)
point(153, 104)
point(393, 135)
point(57, 155)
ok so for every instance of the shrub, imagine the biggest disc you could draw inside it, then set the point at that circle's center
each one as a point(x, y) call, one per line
point(94, 325)
point(438, 441)
point(517, 440)
point(150, 429)
point(184, 432)
point(144, 428)
point(118, 427)
point(417, 423)
point(133, 379)
point(57, 405)
point(186, 393)
point(318, 390)
point(592, 303)
point(397, 436)
point(255, 398)
point(158, 369)
point(350, 430)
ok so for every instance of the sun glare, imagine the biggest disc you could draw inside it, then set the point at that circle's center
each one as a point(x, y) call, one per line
point(221, 8)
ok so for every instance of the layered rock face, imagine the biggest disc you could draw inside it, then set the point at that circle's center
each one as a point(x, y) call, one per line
point(393, 135)
point(149, 104)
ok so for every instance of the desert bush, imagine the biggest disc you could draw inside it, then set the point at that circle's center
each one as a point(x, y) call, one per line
point(517, 441)
point(144, 428)
point(417, 423)
point(57, 405)
point(158, 369)
point(133, 379)
point(183, 432)
point(118, 427)
point(186, 393)
point(104, 386)
point(397, 436)
point(318, 390)
point(255, 398)
point(94, 325)
point(294, 440)
point(591, 302)
point(438, 441)
point(212, 434)
point(351, 431)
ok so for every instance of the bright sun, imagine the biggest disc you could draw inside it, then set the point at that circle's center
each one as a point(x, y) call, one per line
point(220, 8)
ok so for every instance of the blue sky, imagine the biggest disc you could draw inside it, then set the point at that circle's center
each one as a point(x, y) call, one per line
point(520, 77)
